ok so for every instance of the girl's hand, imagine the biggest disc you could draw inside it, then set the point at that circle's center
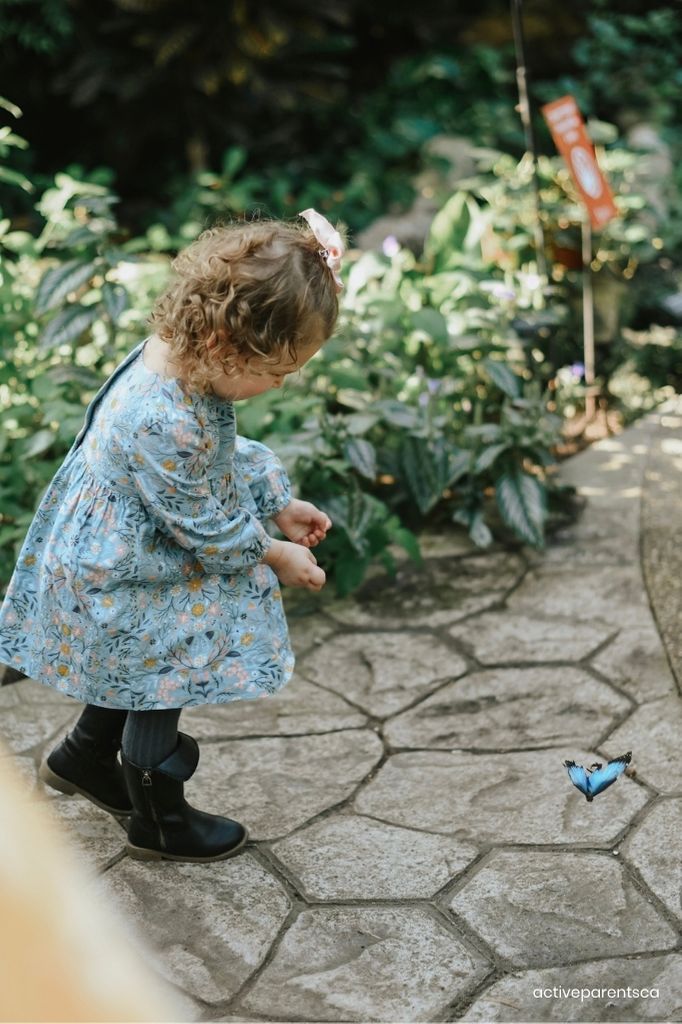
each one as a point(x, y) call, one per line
point(303, 523)
point(294, 566)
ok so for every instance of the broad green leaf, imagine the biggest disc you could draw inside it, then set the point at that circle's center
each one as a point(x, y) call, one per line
point(449, 227)
point(39, 443)
point(115, 299)
point(428, 472)
point(347, 377)
point(488, 456)
point(69, 324)
point(409, 541)
point(349, 574)
point(353, 512)
point(360, 422)
point(432, 323)
point(488, 433)
point(15, 178)
point(362, 456)
point(456, 231)
point(56, 284)
point(479, 531)
point(12, 108)
point(504, 378)
point(397, 413)
point(368, 267)
point(81, 234)
point(233, 161)
point(522, 502)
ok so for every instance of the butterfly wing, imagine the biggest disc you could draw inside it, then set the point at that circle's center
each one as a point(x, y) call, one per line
point(606, 776)
point(578, 777)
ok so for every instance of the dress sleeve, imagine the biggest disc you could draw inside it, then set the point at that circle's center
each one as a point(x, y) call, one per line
point(169, 466)
point(264, 474)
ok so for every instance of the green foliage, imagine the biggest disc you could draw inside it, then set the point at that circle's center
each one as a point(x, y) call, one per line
point(426, 395)
point(620, 48)
point(428, 372)
point(441, 394)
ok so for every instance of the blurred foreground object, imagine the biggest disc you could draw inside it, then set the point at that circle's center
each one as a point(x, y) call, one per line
point(65, 955)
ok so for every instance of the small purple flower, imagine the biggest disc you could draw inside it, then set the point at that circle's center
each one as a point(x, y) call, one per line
point(390, 246)
point(578, 370)
point(423, 399)
point(433, 385)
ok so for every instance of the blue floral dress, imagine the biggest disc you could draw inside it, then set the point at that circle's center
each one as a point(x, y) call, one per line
point(140, 583)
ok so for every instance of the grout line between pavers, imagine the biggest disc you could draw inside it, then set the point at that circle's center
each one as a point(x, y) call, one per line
point(640, 884)
point(212, 741)
point(461, 1007)
point(231, 1004)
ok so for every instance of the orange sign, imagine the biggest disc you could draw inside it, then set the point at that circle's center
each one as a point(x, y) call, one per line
point(571, 139)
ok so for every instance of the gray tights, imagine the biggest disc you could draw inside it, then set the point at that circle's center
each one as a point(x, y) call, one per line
point(148, 737)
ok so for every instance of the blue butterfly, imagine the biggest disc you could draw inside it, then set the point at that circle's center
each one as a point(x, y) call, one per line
point(600, 778)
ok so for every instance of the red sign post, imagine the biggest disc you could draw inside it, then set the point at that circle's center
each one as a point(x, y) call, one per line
point(571, 139)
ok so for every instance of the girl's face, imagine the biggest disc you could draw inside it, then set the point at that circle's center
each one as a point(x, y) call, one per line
point(255, 381)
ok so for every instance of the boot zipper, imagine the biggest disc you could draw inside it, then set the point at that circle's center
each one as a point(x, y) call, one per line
point(146, 782)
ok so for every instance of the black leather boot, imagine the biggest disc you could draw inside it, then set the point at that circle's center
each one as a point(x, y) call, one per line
point(85, 761)
point(163, 826)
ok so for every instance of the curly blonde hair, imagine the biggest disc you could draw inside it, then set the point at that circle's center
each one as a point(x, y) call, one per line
point(261, 289)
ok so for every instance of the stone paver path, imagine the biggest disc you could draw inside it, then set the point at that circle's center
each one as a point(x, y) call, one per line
point(417, 851)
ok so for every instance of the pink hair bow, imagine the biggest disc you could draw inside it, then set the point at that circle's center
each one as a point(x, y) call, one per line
point(331, 241)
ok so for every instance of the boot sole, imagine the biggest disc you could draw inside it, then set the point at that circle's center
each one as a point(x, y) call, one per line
point(71, 789)
point(141, 853)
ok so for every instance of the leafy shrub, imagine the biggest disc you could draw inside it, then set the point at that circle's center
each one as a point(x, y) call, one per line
point(437, 394)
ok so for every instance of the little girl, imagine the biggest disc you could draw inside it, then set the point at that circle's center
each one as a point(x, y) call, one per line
point(147, 582)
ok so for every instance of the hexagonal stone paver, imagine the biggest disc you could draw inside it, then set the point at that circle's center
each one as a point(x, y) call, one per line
point(206, 927)
point(504, 709)
point(382, 672)
point(636, 660)
point(95, 836)
point(445, 541)
point(274, 785)
point(613, 594)
point(654, 848)
point(365, 964)
point(440, 592)
point(9, 696)
point(24, 726)
point(556, 906)
point(350, 856)
point(498, 637)
point(495, 798)
point(653, 733)
point(550, 995)
point(298, 708)
point(600, 537)
point(26, 766)
point(307, 631)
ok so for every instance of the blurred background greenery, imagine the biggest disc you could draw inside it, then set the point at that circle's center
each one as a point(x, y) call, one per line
point(455, 380)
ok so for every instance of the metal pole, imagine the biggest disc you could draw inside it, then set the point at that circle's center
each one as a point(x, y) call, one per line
point(588, 317)
point(524, 110)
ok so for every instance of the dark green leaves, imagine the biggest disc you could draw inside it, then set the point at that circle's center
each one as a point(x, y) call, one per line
point(522, 502)
point(68, 325)
point(430, 468)
point(362, 456)
point(503, 377)
point(57, 283)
